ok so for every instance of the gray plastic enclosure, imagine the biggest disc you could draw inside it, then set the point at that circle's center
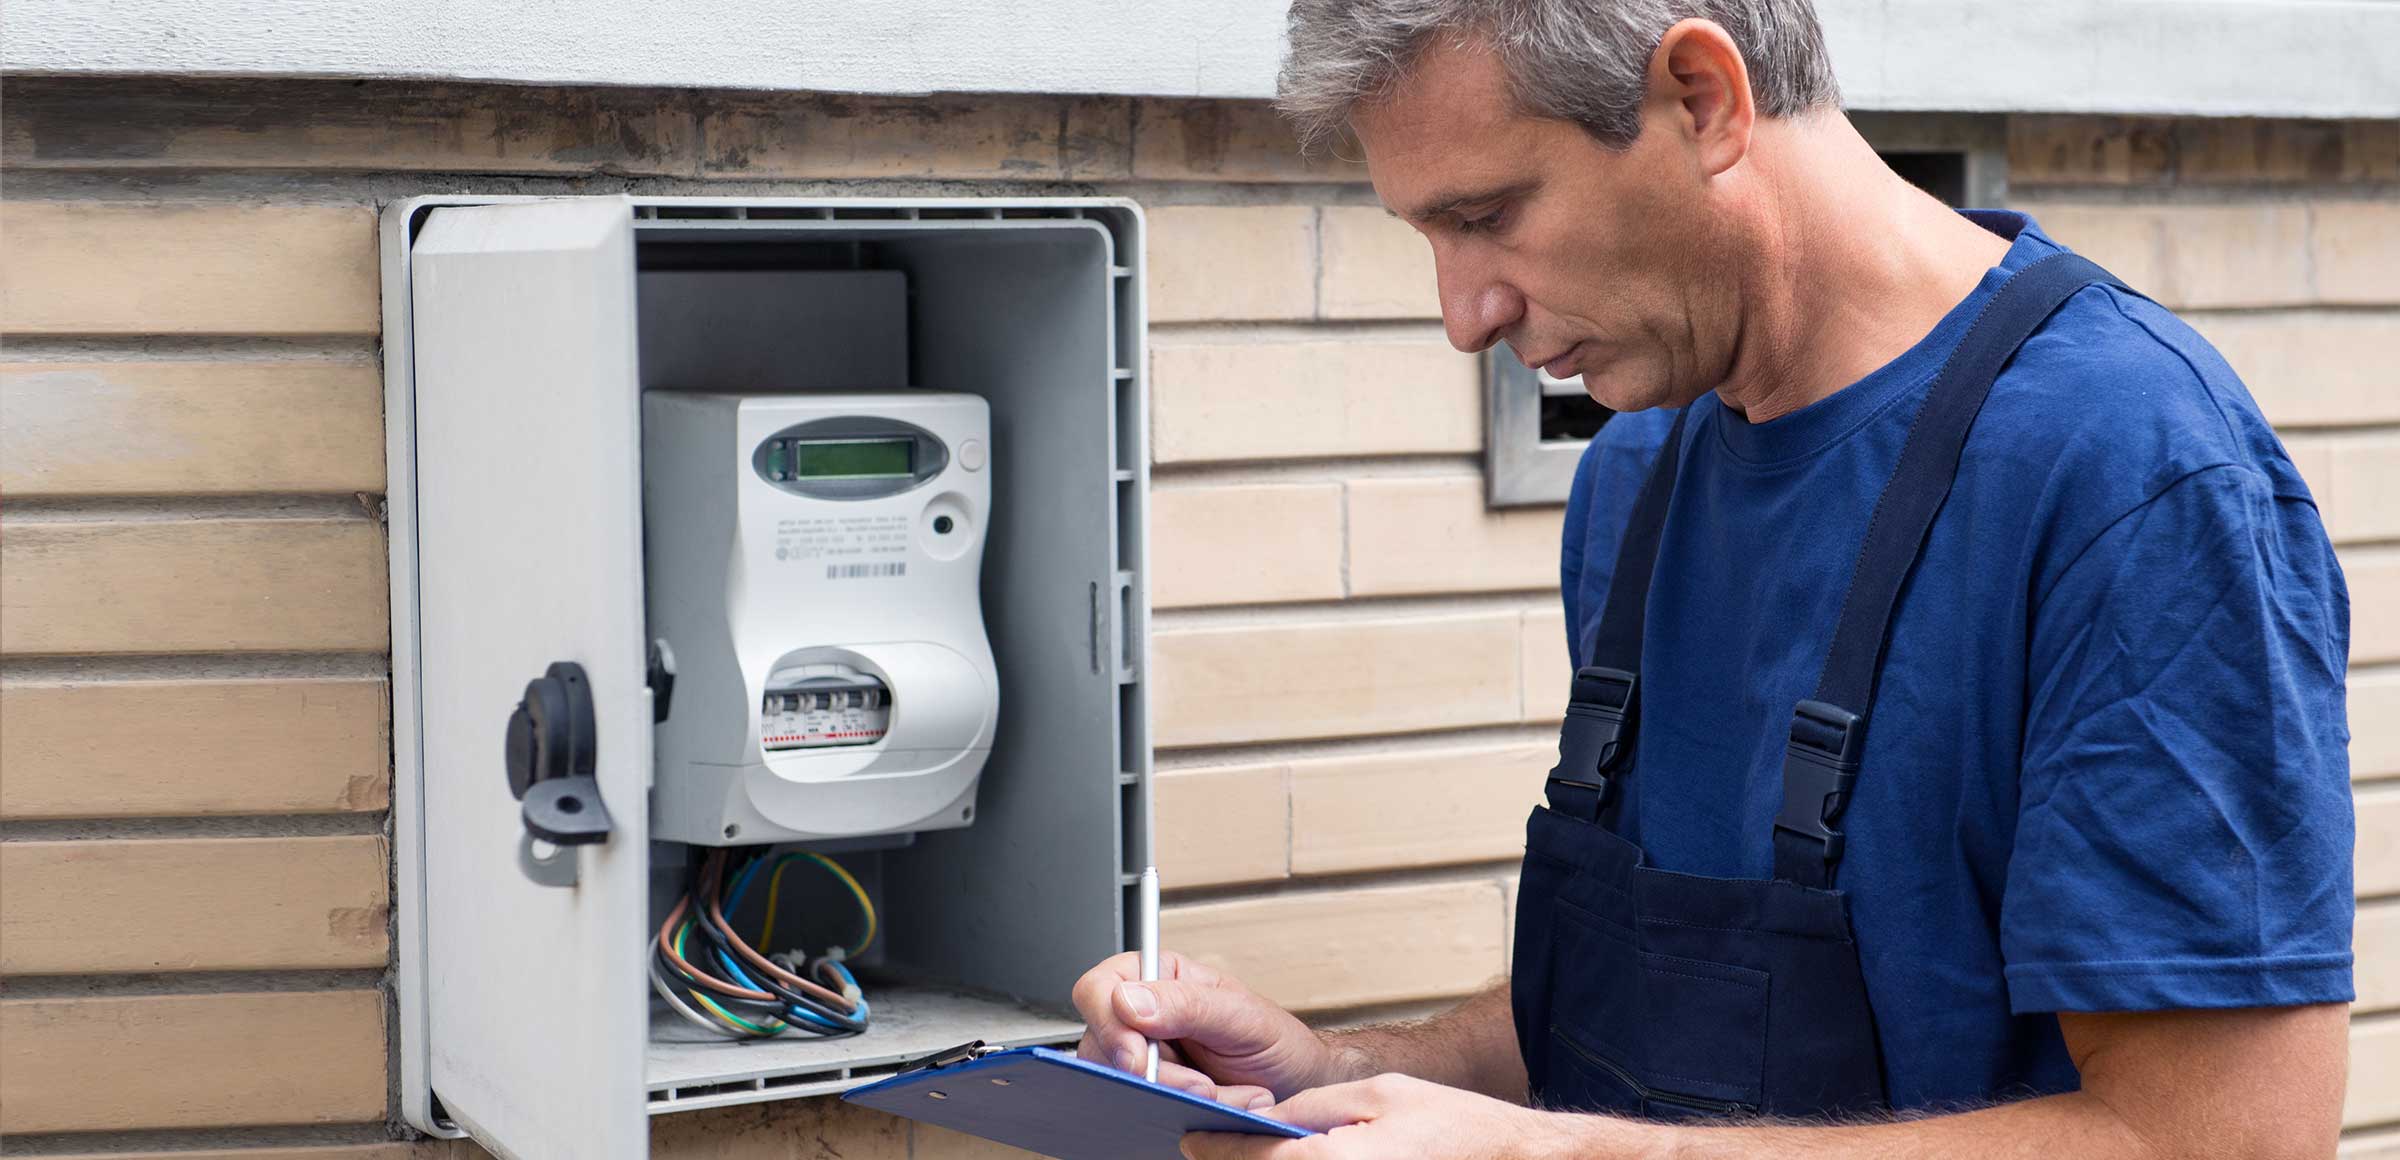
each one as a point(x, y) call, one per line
point(519, 334)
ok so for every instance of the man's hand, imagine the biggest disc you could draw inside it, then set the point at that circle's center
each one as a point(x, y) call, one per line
point(1394, 1116)
point(2159, 1085)
point(1222, 1042)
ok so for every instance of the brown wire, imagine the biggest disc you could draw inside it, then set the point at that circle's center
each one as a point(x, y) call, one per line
point(725, 930)
point(666, 945)
point(711, 878)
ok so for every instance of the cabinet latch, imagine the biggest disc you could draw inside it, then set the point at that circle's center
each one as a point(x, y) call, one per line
point(553, 743)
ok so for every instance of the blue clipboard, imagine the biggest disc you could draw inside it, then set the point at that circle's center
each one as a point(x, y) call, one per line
point(1058, 1105)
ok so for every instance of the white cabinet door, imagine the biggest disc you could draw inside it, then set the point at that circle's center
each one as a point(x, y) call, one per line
point(529, 551)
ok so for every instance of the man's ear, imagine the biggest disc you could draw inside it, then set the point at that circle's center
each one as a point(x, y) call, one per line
point(1698, 79)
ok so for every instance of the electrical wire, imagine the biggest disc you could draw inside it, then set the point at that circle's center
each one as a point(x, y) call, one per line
point(866, 906)
point(734, 987)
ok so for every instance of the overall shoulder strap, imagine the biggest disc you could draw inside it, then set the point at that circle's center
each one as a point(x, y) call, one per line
point(1604, 704)
point(1616, 641)
point(1828, 731)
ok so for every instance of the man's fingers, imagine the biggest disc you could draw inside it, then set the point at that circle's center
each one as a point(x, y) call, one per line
point(1181, 1078)
point(1243, 1096)
point(1337, 1105)
point(1246, 1097)
point(1108, 1038)
point(1223, 1021)
point(1092, 991)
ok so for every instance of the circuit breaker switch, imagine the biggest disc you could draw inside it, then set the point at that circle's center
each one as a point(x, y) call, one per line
point(823, 705)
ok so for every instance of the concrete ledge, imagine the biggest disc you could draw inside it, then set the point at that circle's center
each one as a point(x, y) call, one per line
point(2324, 58)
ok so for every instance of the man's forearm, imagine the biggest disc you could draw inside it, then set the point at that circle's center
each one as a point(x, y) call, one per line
point(1471, 1046)
point(2073, 1126)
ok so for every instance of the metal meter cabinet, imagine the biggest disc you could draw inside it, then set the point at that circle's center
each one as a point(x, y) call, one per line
point(519, 336)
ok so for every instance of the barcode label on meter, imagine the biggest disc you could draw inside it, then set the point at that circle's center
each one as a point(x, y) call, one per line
point(859, 571)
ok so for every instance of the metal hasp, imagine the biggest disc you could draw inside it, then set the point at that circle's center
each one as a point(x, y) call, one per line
point(971, 1049)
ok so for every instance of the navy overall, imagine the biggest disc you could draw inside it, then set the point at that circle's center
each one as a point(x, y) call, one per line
point(1647, 993)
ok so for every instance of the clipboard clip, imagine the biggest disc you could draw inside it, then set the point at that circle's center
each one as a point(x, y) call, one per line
point(971, 1049)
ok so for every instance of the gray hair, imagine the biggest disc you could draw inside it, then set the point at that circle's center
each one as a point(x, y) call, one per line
point(1584, 61)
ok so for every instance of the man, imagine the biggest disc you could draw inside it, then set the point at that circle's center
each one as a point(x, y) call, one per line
point(1956, 767)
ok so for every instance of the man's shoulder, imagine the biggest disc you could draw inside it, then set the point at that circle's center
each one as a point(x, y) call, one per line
point(2116, 399)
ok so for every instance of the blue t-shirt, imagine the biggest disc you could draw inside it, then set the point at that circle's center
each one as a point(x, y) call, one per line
point(2106, 767)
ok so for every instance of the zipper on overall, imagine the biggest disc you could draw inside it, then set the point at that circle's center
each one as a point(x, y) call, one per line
point(1650, 1095)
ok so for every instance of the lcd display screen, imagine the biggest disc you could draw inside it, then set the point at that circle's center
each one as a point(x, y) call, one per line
point(855, 459)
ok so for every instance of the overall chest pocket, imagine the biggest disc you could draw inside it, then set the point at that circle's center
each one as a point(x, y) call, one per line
point(1650, 1034)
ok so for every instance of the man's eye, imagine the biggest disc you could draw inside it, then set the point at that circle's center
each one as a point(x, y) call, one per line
point(1484, 223)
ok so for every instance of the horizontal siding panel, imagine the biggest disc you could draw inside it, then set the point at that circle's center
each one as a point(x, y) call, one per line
point(815, 137)
point(2375, 947)
point(1226, 141)
point(108, 749)
point(2362, 475)
point(132, 122)
point(812, 1129)
point(2375, 723)
point(1548, 673)
point(193, 904)
point(1221, 824)
point(2373, 1097)
point(1419, 808)
point(2311, 368)
point(1333, 679)
point(2374, 1144)
point(1321, 950)
point(2244, 255)
point(91, 267)
point(2373, 577)
point(1245, 544)
point(191, 1061)
point(190, 428)
point(2126, 239)
point(1423, 535)
point(180, 586)
point(1280, 398)
point(2355, 250)
point(2377, 868)
point(1226, 263)
point(1374, 266)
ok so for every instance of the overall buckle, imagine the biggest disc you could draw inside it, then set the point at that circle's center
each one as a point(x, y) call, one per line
point(1594, 739)
point(1820, 764)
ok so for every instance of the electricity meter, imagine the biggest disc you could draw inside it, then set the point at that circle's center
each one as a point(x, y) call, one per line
point(814, 566)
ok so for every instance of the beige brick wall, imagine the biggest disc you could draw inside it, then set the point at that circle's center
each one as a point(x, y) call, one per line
point(1357, 664)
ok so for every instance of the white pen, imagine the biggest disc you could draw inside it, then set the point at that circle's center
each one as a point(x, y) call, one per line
point(1150, 953)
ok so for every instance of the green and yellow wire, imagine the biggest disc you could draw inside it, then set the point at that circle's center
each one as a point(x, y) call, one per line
point(775, 888)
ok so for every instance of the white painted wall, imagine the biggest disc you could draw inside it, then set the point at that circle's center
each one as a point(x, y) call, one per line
point(2226, 57)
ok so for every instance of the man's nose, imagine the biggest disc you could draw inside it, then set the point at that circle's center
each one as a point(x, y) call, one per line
point(1477, 309)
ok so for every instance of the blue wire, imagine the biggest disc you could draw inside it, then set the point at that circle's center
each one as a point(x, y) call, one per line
point(741, 884)
point(733, 901)
point(800, 1013)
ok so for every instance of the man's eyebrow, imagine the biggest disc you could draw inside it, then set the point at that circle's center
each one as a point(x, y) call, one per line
point(1453, 201)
